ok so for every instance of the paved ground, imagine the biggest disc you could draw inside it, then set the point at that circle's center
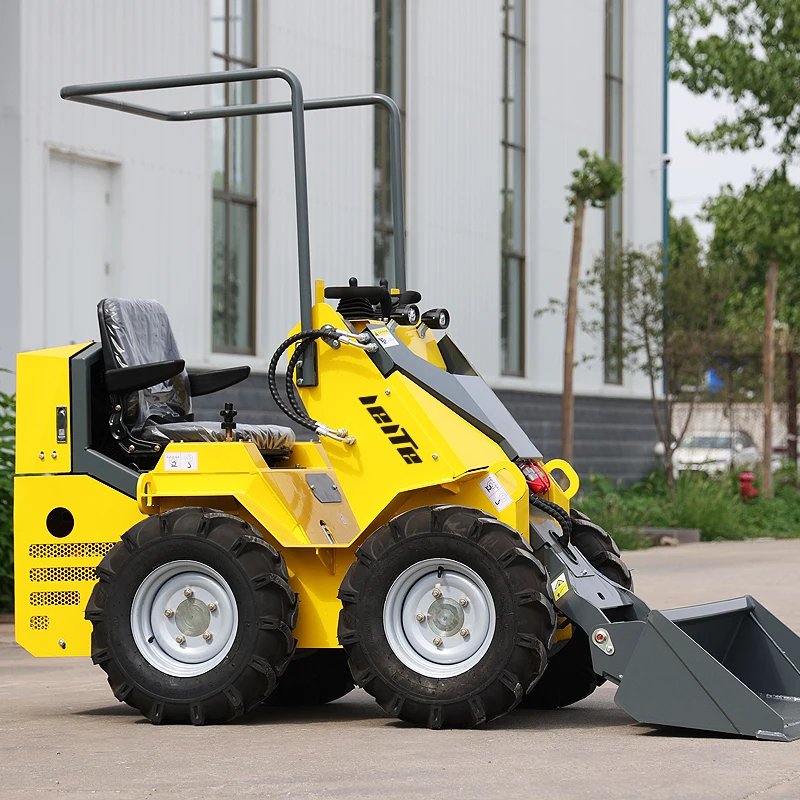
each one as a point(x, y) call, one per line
point(63, 735)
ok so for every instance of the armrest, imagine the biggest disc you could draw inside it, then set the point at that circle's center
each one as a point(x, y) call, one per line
point(142, 376)
point(208, 382)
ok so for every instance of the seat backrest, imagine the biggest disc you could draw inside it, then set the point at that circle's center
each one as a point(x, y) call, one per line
point(135, 332)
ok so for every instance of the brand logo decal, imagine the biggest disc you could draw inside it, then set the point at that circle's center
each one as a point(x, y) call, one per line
point(398, 436)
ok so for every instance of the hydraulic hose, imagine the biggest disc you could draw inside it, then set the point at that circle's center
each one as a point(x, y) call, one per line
point(295, 413)
point(556, 512)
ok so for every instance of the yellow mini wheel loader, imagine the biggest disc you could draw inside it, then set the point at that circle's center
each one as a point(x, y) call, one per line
point(419, 547)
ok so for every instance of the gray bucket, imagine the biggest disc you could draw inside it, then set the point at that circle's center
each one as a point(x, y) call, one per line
point(729, 666)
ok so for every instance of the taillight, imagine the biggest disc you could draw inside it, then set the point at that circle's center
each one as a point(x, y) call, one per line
point(537, 479)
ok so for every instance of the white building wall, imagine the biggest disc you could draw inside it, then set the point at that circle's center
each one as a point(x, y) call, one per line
point(10, 182)
point(454, 167)
point(566, 112)
point(453, 160)
point(330, 47)
point(162, 171)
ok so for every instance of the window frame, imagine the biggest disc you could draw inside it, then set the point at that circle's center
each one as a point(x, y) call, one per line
point(508, 254)
point(383, 213)
point(613, 373)
point(231, 198)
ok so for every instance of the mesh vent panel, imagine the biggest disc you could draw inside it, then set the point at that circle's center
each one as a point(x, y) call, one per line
point(63, 574)
point(55, 598)
point(40, 623)
point(70, 549)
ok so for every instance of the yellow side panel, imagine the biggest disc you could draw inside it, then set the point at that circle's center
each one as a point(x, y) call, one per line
point(42, 386)
point(54, 576)
point(375, 472)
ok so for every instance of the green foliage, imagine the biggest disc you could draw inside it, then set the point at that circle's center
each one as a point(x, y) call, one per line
point(595, 181)
point(751, 226)
point(747, 52)
point(669, 315)
point(701, 501)
point(7, 420)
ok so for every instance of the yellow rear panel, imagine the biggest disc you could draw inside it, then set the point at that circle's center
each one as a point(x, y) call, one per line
point(54, 576)
point(42, 387)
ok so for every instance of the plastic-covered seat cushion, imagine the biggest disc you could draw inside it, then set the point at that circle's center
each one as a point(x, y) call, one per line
point(135, 332)
point(269, 439)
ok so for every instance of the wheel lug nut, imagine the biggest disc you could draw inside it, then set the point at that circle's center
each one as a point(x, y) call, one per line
point(420, 618)
point(180, 639)
point(437, 641)
point(463, 602)
point(168, 612)
point(212, 606)
point(207, 635)
point(437, 592)
point(188, 592)
point(465, 631)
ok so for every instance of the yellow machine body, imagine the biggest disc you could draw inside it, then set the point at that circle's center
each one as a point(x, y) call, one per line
point(376, 479)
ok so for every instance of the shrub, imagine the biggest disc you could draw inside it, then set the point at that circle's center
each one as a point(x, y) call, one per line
point(7, 419)
point(708, 503)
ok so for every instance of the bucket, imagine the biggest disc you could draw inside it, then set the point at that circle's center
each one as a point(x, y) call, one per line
point(729, 666)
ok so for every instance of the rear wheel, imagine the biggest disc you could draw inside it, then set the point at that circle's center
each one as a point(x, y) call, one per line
point(446, 617)
point(313, 677)
point(569, 676)
point(192, 617)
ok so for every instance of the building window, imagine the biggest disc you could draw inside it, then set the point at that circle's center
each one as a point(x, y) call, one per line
point(512, 214)
point(233, 42)
point(390, 70)
point(612, 355)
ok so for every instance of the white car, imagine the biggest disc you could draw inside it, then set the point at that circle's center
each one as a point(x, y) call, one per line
point(714, 452)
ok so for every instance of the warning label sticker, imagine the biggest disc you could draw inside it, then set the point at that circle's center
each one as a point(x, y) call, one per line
point(384, 336)
point(180, 461)
point(560, 586)
point(495, 492)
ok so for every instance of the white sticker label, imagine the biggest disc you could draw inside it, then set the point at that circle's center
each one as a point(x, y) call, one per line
point(385, 337)
point(180, 461)
point(495, 492)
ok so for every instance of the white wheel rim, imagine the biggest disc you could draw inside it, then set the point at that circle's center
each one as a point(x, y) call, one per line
point(184, 618)
point(425, 630)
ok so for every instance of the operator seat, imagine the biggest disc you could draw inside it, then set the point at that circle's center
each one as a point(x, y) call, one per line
point(151, 391)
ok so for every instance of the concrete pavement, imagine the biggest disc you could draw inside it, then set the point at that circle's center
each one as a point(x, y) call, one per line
point(62, 734)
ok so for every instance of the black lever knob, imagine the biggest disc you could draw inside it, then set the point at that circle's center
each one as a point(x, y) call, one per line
point(228, 424)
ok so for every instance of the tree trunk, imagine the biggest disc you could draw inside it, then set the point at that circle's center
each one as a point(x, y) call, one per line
point(791, 407)
point(769, 372)
point(568, 396)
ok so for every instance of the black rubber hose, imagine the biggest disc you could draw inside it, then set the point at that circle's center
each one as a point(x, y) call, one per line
point(296, 416)
point(556, 512)
point(291, 392)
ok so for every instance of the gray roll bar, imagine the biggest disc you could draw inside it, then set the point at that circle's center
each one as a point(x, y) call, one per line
point(89, 94)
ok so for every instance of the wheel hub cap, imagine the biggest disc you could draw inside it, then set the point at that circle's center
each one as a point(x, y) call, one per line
point(192, 617)
point(445, 616)
point(439, 618)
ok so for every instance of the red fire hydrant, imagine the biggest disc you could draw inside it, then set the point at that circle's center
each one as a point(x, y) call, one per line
point(746, 489)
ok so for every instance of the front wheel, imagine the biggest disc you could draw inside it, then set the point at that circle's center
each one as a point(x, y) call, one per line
point(192, 617)
point(446, 617)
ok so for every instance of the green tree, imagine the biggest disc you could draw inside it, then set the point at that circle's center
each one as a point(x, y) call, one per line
point(747, 52)
point(669, 322)
point(594, 182)
point(757, 233)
